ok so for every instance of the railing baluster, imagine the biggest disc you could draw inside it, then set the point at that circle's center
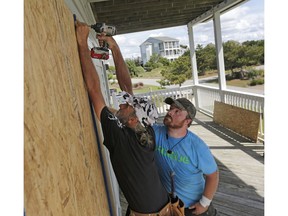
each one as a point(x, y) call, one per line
point(206, 97)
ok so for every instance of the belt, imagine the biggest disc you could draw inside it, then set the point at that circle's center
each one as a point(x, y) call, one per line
point(165, 211)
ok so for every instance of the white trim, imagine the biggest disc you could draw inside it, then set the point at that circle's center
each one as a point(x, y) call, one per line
point(82, 9)
point(224, 6)
point(193, 62)
point(219, 52)
point(193, 54)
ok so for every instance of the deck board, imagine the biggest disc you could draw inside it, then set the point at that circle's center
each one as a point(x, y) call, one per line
point(241, 169)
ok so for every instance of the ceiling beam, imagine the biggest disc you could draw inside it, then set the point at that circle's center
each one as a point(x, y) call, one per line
point(92, 1)
point(222, 7)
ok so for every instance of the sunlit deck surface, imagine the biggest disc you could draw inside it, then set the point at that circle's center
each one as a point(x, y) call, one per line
point(241, 168)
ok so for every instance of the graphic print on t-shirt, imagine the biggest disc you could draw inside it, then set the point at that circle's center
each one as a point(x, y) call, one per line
point(114, 118)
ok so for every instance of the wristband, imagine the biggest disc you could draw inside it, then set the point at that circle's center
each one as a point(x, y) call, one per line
point(204, 201)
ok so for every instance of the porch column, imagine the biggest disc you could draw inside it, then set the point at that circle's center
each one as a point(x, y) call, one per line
point(193, 54)
point(219, 52)
point(193, 62)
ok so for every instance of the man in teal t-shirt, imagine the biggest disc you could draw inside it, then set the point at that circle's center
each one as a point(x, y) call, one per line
point(183, 156)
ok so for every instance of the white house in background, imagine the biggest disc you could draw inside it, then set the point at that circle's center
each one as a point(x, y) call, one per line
point(167, 47)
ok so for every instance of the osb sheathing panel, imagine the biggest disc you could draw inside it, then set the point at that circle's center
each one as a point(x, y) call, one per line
point(62, 169)
point(242, 121)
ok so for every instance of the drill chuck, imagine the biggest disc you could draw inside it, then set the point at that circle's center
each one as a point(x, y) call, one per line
point(103, 28)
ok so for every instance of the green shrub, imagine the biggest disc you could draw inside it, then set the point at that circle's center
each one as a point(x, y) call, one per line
point(255, 82)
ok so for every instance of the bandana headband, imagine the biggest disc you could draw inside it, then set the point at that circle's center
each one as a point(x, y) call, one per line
point(146, 110)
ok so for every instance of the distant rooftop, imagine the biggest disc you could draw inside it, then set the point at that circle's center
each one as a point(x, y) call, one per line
point(164, 38)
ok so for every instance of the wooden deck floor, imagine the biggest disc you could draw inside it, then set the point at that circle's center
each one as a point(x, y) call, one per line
point(241, 168)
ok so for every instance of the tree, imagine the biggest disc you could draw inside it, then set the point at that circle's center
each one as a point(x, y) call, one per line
point(133, 69)
point(156, 61)
point(239, 55)
point(164, 61)
point(178, 71)
point(232, 55)
point(112, 69)
point(206, 58)
point(255, 51)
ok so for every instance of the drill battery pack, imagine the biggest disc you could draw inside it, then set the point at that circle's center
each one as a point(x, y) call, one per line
point(100, 53)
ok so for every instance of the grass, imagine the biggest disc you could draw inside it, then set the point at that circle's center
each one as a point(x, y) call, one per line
point(235, 82)
point(238, 83)
point(155, 73)
point(146, 88)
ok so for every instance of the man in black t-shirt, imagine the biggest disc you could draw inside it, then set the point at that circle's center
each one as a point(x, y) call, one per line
point(127, 135)
point(133, 165)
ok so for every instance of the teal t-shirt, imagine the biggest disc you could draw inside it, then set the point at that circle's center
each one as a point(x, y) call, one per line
point(189, 159)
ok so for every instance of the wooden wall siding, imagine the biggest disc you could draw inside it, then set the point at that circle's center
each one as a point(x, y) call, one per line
point(244, 122)
point(62, 169)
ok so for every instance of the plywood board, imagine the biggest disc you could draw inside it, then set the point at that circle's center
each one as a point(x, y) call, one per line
point(242, 121)
point(62, 169)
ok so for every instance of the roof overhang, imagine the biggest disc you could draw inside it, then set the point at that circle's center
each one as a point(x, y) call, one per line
point(140, 15)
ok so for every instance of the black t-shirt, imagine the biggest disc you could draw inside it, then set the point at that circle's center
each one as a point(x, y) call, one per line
point(134, 166)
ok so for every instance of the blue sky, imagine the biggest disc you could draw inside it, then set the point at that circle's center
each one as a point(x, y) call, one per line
point(241, 24)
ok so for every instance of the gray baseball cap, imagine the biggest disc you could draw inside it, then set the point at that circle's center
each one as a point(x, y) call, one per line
point(183, 104)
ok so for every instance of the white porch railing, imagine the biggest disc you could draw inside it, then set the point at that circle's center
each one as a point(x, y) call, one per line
point(203, 97)
point(158, 97)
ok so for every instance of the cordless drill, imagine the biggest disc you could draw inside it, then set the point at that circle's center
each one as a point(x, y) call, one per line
point(102, 52)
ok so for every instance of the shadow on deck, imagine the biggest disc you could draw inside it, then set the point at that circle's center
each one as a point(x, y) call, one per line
point(241, 169)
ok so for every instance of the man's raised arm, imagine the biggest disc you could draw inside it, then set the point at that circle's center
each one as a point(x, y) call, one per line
point(89, 72)
point(122, 72)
